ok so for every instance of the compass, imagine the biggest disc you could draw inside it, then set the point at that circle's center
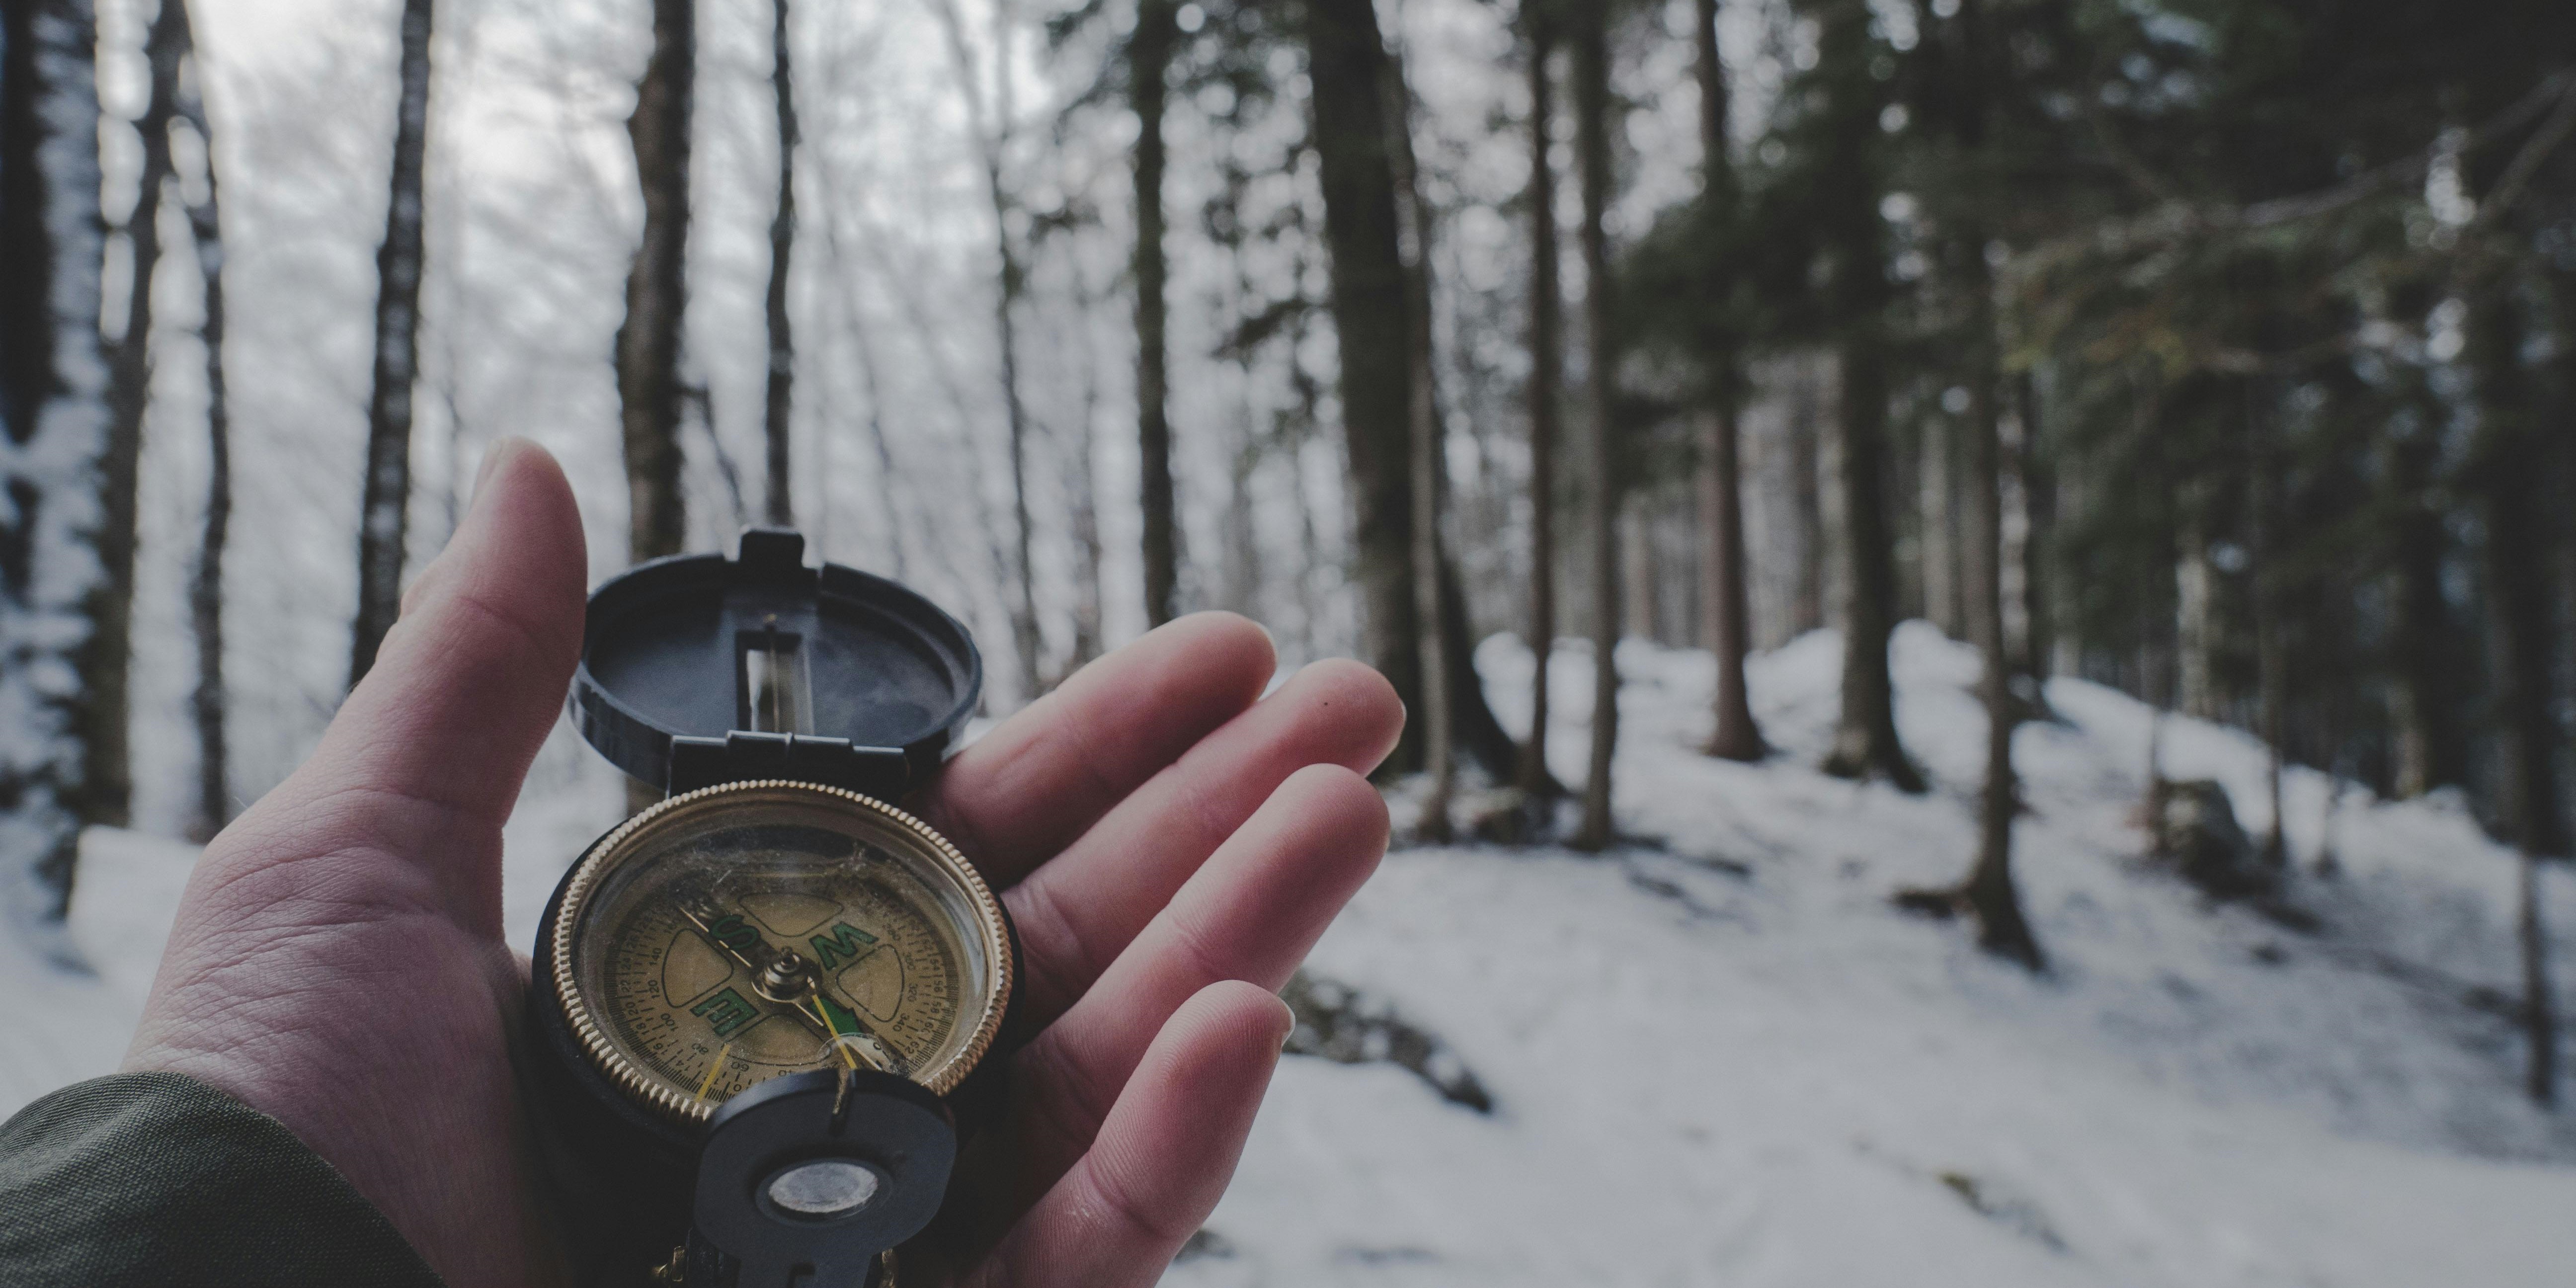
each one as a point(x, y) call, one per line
point(764, 1009)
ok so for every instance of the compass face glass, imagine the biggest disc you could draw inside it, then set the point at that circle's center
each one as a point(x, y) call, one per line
point(736, 934)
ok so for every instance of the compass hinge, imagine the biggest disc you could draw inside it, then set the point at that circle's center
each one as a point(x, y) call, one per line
point(882, 772)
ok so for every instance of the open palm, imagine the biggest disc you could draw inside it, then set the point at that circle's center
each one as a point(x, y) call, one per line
point(1169, 842)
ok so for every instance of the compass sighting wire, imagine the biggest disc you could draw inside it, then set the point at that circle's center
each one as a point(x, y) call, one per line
point(713, 1068)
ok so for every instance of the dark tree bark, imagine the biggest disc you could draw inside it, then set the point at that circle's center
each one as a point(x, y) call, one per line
point(1989, 890)
point(2271, 637)
point(385, 506)
point(1425, 463)
point(1149, 64)
point(1545, 384)
point(107, 785)
point(776, 418)
point(1591, 51)
point(53, 432)
point(1865, 741)
point(1089, 551)
point(2420, 702)
point(2038, 470)
point(1807, 505)
point(649, 395)
point(1346, 66)
point(1474, 730)
point(1939, 562)
point(210, 701)
point(1724, 603)
point(2510, 473)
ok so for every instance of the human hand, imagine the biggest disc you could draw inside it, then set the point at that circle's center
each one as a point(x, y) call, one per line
point(1169, 844)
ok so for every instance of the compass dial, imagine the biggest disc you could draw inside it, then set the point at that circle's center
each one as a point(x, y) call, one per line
point(756, 929)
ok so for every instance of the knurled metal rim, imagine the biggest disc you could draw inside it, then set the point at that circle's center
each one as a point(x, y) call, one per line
point(603, 856)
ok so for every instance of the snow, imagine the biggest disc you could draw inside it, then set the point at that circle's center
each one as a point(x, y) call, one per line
point(1776, 1078)
point(1721, 1056)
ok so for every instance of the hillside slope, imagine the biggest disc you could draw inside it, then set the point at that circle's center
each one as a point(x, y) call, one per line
point(1724, 1059)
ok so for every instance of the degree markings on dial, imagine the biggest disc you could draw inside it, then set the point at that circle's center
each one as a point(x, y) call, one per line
point(879, 912)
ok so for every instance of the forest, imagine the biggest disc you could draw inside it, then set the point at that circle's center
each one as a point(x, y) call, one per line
point(2221, 353)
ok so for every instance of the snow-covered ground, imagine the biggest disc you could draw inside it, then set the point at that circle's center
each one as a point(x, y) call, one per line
point(1721, 1057)
point(1775, 1078)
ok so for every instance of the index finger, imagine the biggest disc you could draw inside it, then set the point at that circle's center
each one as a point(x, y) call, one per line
point(1028, 788)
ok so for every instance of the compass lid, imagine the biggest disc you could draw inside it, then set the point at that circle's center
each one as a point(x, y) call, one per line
point(698, 670)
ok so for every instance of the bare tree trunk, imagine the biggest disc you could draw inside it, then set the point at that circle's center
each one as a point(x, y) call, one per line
point(2510, 472)
point(2539, 1011)
point(107, 786)
point(1591, 47)
point(1807, 506)
point(1345, 64)
point(1149, 61)
point(1546, 368)
point(864, 351)
point(1426, 465)
point(2271, 646)
point(1640, 608)
point(1939, 557)
point(777, 423)
point(1865, 740)
point(2420, 701)
point(384, 512)
point(1024, 615)
point(2196, 606)
point(992, 139)
point(1088, 550)
point(53, 432)
point(1990, 890)
point(2039, 541)
point(648, 341)
point(1725, 606)
point(209, 703)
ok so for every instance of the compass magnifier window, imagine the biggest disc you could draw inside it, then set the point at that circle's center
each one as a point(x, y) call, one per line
point(775, 689)
point(825, 1189)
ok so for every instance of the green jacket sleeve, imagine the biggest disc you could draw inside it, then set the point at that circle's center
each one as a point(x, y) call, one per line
point(154, 1178)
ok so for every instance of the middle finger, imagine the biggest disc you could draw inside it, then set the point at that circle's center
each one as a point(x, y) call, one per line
point(1077, 912)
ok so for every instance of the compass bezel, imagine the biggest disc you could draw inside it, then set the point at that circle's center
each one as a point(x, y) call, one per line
point(621, 845)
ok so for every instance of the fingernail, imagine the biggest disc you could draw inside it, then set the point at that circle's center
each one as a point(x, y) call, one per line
point(1287, 1023)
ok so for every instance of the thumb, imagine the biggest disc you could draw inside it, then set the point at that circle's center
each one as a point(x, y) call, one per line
point(424, 760)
